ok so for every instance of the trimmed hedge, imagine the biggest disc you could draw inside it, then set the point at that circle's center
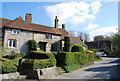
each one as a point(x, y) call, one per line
point(67, 43)
point(77, 48)
point(7, 66)
point(40, 55)
point(32, 46)
point(38, 63)
point(73, 60)
point(39, 60)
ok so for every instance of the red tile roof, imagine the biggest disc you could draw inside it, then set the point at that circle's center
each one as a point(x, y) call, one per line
point(73, 39)
point(19, 23)
point(76, 40)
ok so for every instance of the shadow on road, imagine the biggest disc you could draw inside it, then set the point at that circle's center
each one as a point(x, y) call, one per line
point(106, 72)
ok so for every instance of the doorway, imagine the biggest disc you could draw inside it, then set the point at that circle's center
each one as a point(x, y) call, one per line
point(42, 46)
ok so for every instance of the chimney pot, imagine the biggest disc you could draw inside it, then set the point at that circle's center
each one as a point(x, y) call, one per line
point(56, 22)
point(63, 26)
point(28, 17)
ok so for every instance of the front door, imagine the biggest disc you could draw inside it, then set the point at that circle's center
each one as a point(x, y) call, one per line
point(42, 46)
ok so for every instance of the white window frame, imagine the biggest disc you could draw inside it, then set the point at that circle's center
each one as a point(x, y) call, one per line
point(16, 31)
point(12, 42)
point(47, 35)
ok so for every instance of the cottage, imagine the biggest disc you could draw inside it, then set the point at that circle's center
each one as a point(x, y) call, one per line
point(14, 34)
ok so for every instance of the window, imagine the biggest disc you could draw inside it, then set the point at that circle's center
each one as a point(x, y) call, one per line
point(12, 43)
point(14, 31)
point(49, 36)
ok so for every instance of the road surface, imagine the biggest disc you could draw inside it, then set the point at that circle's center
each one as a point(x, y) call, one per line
point(104, 69)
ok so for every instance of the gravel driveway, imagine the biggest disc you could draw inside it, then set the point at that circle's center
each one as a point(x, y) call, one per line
point(104, 69)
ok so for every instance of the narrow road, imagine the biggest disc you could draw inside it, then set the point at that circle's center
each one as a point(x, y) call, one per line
point(104, 69)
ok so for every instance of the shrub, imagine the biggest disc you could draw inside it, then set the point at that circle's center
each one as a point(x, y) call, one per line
point(77, 48)
point(74, 60)
point(32, 46)
point(12, 55)
point(38, 63)
point(89, 51)
point(40, 55)
point(67, 43)
point(7, 66)
point(39, 60)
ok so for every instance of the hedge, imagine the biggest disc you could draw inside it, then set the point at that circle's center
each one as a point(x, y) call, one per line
point(32, 45)
point(39, 60)
point(77, 48)
point(38, 63)
point(7, 66)
point(74, 60)
point(40, 55)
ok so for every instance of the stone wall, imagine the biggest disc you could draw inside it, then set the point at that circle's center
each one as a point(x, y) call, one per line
point(24, 36)
point(46, 73)
point(15, 75)
point(1, 38)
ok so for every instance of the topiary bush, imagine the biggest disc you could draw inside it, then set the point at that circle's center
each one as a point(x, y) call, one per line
point(67, 43)
point(39, 60)
point(38, 63)
point(32, 46)
point(77, 48)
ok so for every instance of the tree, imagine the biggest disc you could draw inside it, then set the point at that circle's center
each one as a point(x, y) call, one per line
point(116, 44)
point(67, 43)
point(101, 37)
point(86, 37)
point(72, 33)
point(83, 36)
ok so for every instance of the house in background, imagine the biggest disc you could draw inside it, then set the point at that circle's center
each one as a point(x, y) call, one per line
point(14, 35)
point(106, 45)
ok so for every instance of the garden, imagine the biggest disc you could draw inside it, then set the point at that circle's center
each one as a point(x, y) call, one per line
point(72, 58)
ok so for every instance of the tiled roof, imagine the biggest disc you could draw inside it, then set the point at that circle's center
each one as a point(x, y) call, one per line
point(64, 32)
point(76, 40)
point(19, 23)
point(3, 22)
point(73, 39)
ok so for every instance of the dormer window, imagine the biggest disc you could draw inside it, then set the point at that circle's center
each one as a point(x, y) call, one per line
point(14, 31)
point(49, 36)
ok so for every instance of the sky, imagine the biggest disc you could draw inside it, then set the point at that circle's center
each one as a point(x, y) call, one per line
point(94, 18)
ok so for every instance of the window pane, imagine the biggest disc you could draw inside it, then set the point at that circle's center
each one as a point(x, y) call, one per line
point(10, 43)
point(14, 43)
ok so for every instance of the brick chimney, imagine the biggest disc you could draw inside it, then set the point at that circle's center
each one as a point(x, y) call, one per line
point(56, 21)
point(63, 26)
point(28, 17)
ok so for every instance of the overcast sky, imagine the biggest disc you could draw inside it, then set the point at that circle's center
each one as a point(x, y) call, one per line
point(95, 17)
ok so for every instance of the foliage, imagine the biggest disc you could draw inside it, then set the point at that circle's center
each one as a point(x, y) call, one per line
point(39, 60)
point(32, 46)
point(74, 60)
point(116, 44)
point(15, 61)
point(101, 37)
point(3, 51)
point(38, 63)
point(83, 36)
point(89, 51)
point(41, 55)
point(7, 66)
point(67, 43)
point(77, 48)
point(12, 55)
